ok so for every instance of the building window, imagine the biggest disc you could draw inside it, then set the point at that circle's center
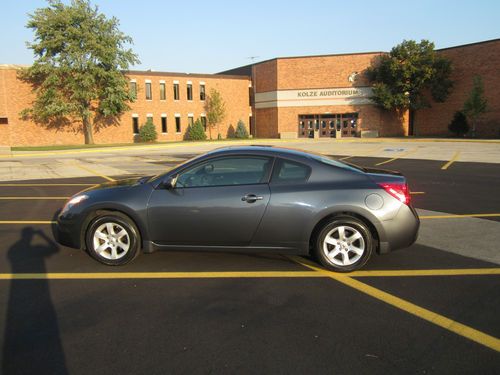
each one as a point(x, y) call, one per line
point(189, 91)
point(133, 89)
point(4, 121)
point(164, 124)
point(177, 124)
point(204, 122)
point(162, 91)
point(250, 96)
point(135, 125)
point(190, 120)
point(202, 91)
point(149, 94)
point(250, 124)
point(176, 91)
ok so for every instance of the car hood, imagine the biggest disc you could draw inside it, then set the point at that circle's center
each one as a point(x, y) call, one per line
point(129, 182)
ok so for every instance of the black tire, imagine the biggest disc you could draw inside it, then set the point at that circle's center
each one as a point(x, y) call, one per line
point(117, 220)
point(351, 225)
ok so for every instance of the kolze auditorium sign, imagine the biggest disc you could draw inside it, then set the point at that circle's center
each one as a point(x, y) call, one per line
point(314, 97)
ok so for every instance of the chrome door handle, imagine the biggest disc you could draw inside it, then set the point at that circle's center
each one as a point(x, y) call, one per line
point(251, 198)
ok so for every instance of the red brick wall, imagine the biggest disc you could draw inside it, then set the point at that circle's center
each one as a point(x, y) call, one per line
point(15, 96)
point(481, 59)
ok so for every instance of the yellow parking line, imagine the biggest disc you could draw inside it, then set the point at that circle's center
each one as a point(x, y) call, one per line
point(458, 216)
point(94, 172)
point(432, 317)
point(33, 198)
point(417, 192)
point(27, 222)
point(365, 154)
point(34, 184)
point(398, 157)
point(156, 275)
point(453, 159)
point(437, 272)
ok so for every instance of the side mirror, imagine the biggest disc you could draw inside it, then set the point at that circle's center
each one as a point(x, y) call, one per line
point(170, 182)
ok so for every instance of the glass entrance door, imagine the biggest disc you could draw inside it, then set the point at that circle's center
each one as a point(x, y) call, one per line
point(327, 125)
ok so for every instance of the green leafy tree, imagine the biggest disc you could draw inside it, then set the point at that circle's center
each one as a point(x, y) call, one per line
point(216, 111)
point(147, 132)
point(476, 104)
point(241, 130)
point(77, 76)
point(196, 132)
point(459, 124)
point(404, 78)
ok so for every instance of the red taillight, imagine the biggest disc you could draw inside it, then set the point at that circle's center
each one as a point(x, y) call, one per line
point(399, 191)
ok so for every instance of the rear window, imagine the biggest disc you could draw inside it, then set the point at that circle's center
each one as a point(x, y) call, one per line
point(331, 161)
point(287, 171)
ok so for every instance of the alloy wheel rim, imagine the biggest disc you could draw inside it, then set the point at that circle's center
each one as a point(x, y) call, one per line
point(344, 245)
point(111, 241)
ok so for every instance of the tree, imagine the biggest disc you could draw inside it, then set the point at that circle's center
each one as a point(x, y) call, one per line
point(196, 132)
point(147, 132)
point(476, 104)
point(216, 111)
point(459, 124)
point(403, 78)
point(77, 76)
point(241, 130)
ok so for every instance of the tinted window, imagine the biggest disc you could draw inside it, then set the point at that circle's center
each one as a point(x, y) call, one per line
point(226, 171)
point(289, 171)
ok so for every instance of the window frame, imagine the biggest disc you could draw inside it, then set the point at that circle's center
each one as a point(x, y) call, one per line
point(264, 181)
point(149, 93)
point(163, 91)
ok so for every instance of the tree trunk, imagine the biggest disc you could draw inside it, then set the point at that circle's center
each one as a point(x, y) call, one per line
point(87, 131)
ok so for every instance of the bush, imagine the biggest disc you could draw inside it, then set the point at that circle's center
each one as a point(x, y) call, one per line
point(241, 130)
point(459, 124)
point(147, 132)
point(230, 131)
point(196, 132)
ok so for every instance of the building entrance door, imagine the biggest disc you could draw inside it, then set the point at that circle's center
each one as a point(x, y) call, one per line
point(327, 125)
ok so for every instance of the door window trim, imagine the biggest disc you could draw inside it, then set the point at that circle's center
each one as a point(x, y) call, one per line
point(265, 179)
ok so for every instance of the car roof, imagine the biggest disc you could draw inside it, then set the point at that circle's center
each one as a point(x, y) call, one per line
point(261, 149)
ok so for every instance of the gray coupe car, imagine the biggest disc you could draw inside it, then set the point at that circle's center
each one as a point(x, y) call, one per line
point(249, 199)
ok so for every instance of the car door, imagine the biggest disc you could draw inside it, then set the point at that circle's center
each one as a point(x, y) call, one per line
point(217, 202)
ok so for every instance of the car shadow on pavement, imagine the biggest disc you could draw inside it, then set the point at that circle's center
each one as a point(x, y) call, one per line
point(32, 341)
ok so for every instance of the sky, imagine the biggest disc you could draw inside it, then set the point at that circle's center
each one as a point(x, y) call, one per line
point(211, 36)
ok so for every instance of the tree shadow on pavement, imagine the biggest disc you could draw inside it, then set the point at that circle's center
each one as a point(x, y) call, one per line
point(32, 342)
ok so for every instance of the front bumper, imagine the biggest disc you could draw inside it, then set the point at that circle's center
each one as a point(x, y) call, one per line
point(399, 232)
point(67, 232)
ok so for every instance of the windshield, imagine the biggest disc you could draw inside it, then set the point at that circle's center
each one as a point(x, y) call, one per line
point(336, 163)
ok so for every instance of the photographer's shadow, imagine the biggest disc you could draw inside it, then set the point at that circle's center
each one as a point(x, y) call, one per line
point(32, 342)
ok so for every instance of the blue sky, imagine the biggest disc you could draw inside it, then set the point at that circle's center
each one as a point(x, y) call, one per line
point(211, 36)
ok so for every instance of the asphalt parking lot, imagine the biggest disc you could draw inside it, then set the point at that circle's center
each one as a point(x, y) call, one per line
point(422, 310)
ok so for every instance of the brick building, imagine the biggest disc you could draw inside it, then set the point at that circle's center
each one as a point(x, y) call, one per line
point(308, 96)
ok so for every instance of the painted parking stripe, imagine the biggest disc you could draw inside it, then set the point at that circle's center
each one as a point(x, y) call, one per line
point(409, 152)
point(432, 317)
point(417, 192)
point(33, 198)
point(157, 275)
point(36, 185)
point(452, 160)
point(436, 272)
point(27, 222)
point(94, 172)
point(457, 216)
point(365, 154)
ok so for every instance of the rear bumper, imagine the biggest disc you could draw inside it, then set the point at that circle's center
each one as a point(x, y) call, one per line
point(399, 232)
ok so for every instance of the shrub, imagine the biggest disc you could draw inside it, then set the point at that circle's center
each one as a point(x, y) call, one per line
point(241, 130)
point(147, 132)
point(196, 132)
point(459, 124)
point(230, 131)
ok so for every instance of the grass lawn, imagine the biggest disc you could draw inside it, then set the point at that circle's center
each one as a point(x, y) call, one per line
point(83, 146)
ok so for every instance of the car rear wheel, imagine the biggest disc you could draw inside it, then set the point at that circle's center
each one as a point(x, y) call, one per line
point(344, 244)
point(113, 239)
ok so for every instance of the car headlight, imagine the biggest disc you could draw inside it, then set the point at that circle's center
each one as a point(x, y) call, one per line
point(74, 201)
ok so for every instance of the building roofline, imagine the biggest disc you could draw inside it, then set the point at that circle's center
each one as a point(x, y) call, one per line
point(193, 75)
point(469, 44)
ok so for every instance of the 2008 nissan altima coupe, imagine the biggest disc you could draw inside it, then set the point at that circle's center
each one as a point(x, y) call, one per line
point(250, 199)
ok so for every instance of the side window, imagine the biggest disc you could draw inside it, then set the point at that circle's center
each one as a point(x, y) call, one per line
point(290, 172)
point(226, 171)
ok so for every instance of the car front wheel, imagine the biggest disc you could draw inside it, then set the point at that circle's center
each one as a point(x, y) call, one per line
point(344, 244)
point(113, 239)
